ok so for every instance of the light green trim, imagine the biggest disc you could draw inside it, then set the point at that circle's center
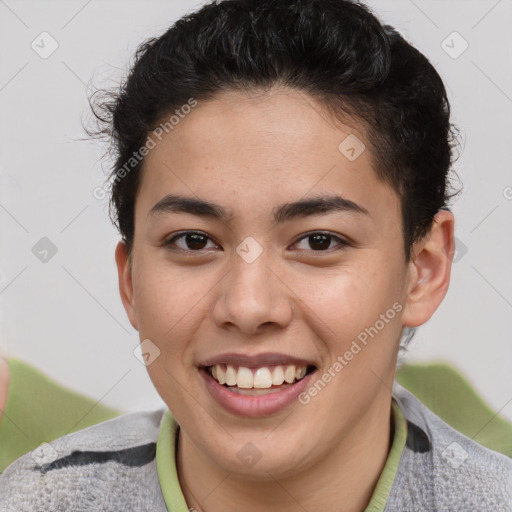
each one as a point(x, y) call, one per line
point(175, 501)
point(166, 465)
point(383, 488)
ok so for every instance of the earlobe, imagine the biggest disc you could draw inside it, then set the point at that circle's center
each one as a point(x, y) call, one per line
point(429, 270)
point(124, 273)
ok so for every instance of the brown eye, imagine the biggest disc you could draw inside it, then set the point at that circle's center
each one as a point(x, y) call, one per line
point(319, 241)
point(189, 241)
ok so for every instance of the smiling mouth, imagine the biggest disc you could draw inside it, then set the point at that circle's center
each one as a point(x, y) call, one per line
point(258, 381)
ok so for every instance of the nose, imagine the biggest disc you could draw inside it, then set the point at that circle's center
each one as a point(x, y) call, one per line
point(253, 297)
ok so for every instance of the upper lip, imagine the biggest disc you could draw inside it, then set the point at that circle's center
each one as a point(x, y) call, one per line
point(255, 361)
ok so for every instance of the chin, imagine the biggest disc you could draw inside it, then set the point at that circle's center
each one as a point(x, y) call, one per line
point(259, 461)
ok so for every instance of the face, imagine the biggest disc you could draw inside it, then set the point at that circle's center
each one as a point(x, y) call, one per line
point(251, 281)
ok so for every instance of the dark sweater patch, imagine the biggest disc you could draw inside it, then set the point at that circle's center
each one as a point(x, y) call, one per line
point(417, 440)
point(134, 457)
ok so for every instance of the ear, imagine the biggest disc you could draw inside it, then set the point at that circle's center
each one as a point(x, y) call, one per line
point(429, 270)
point(124, 273)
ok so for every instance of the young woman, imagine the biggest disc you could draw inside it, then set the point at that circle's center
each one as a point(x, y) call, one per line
point(281, 190)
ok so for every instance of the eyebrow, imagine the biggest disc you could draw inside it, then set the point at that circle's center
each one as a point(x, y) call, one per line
point(311, 206)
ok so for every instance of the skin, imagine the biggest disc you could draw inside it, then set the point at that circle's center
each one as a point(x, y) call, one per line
point(250, 153)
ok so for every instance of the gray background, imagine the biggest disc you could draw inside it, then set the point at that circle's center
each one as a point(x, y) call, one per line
point(65, 316)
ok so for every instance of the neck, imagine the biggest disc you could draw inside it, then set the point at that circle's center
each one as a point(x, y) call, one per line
point(355, 463)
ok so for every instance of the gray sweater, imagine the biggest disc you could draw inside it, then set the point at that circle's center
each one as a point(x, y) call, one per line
point(112, 467)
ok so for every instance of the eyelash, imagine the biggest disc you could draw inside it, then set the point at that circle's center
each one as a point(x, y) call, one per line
point(341, 243)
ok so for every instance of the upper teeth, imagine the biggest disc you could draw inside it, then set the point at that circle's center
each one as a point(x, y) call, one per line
point(263, 377)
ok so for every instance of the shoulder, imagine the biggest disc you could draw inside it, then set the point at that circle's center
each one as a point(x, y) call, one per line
point(110, 466)
point(442, 469)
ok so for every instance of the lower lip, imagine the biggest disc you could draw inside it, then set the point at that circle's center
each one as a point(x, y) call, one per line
point(254, 406)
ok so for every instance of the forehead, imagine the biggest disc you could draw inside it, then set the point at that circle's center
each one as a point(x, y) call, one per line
point(247, 150)
point(282, 121)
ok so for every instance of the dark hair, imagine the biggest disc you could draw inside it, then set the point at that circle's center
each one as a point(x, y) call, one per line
point(335, 50)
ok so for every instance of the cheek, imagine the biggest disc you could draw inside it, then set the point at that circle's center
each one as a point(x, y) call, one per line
point(168, 308)
point(168, 304)
point(351, 304)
